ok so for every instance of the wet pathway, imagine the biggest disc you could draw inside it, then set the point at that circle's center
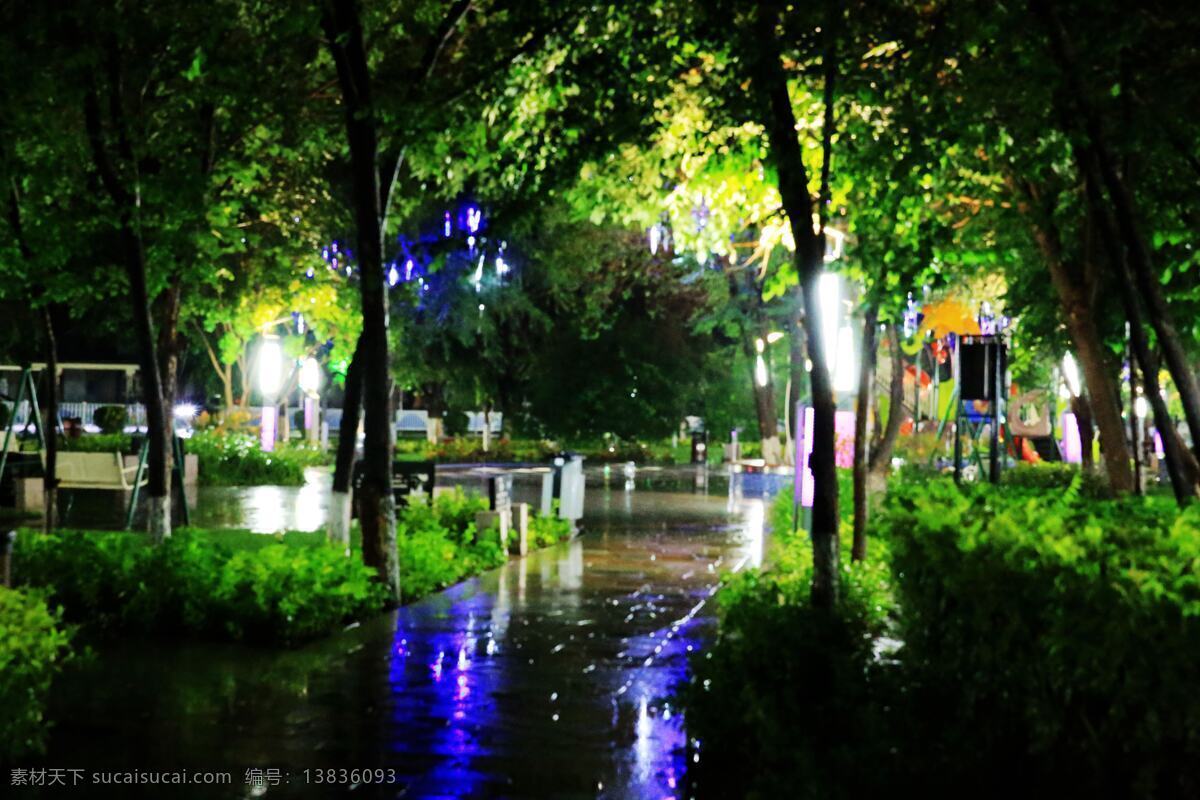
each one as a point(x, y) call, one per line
point(550, 677)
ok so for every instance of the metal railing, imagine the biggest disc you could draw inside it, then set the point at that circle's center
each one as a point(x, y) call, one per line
point(135, 413)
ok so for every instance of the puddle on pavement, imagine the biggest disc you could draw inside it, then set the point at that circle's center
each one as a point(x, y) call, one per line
point(549, 677)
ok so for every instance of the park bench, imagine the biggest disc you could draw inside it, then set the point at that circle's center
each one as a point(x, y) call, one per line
point(94, 471)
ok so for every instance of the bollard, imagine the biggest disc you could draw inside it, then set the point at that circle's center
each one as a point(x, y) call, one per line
point(6, 547)
point(520, 543)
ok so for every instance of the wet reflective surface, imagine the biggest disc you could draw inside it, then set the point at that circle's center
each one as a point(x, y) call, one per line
point(549, 677)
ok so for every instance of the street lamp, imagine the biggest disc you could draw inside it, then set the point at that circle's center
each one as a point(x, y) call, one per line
point(310, 384)
point(1071, 374)
point(838, 338)
point(270, 380)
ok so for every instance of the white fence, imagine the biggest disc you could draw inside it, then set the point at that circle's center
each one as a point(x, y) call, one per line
point(85, 411)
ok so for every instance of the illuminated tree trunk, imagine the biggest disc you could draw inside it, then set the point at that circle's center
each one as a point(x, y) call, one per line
point(797, 373)
point(809, 257)
point(377, 512)
point(880, 462)
point(764, 385)
point(343, 467)
point(866, 373)
point(1074, 293)
point(1082, 409)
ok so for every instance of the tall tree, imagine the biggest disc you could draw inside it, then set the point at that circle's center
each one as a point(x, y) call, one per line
point(342, 24)
point(802, 209)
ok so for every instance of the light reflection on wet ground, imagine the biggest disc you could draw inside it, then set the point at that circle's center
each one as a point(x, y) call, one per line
point(549, 677)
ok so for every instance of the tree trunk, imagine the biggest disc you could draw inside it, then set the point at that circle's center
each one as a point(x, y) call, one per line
point(134, 257)
point(1127, 231)
point(343, 467)
point(377, 512)
point(797, 372)
point(866, 378)
point(880, 462)
point(823, 465)
point(167, 306)
point(50, 481)
point(1181, 466)
point(1082, 409)
point(764, 393)
point(792, 177)
point(1075, 297)
point(47, 424)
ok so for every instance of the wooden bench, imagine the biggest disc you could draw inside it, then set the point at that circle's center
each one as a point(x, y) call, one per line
point(94, 471)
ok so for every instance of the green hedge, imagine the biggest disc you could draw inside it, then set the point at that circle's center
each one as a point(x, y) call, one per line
point(549, 529)
point(254, 587)
point(195, 583)
point(780, 703)
point(439, 546)
point(33, 647)
point(470, 449)
point(228, 458)
point(100, 443)
point(1050, 647)
point(1053, 632)
point(110, 419)
point(1050, 476)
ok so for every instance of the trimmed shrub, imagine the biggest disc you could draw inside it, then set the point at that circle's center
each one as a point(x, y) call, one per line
point(99, 443)
point(110, 419)
point(1053, 633)
point(33, 649)
point(1038, 642)
point(438, 545)
point(1049, 476)
point(231, 458)
point(782, 704)
point(548, 529)
point(194, 583)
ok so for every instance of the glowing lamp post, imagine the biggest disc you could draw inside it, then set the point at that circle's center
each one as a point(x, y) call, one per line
point(310, 384)
point(270, 380)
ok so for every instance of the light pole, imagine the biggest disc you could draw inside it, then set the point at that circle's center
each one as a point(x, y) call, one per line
point(310, 384)
point(270, 379)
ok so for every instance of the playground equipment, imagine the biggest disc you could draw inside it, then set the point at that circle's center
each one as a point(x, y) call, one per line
point(81, 470)
point(92, 471)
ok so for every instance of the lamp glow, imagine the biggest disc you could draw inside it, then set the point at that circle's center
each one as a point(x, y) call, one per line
point(310, 376)
point(829, 295)
point(270, 367)
point(1071, 374)
point(844, 368)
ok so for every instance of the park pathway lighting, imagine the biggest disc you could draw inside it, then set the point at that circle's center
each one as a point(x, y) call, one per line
point(1070, 371)
point(760, 363)
point(838, 339)
point(270, 381)
point(310, 384)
